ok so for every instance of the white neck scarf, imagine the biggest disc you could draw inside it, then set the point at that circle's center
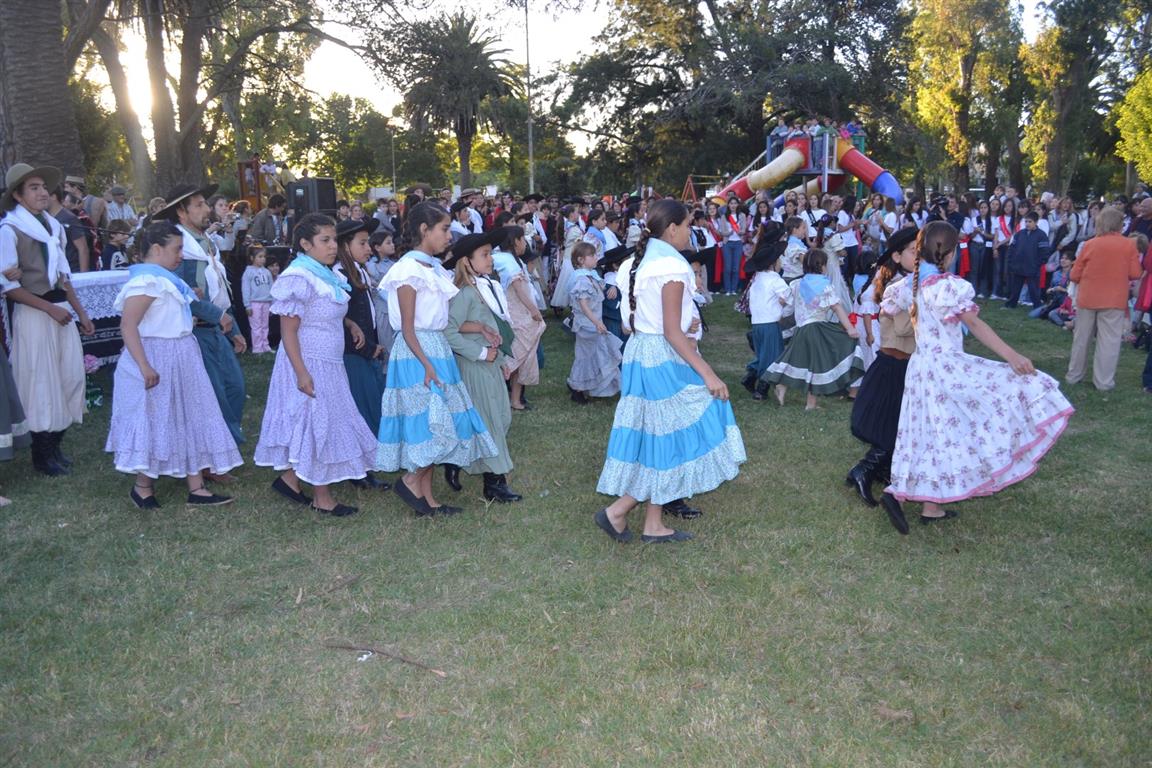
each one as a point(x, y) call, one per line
point(20, 218)
point(219, 292)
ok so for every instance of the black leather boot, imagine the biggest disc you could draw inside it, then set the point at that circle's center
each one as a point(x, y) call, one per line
point(43, 456)
point(57, 453)
point(496, 489)
point(452, 477)
point(760, 392)
point(749, 382)
point(679, 508)
point(861, 476)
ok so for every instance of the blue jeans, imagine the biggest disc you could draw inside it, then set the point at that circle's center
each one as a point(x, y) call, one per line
point(1000, 271)
point(979, 275)
point(733, 250)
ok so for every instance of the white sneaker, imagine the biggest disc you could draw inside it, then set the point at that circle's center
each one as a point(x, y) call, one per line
point(981, 296)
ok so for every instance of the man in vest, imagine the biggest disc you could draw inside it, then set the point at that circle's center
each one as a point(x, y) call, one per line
point(47, 357)
point(213, 326)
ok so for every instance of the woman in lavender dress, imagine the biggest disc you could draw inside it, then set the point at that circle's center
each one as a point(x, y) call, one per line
point(165, 416)
point(312, 430)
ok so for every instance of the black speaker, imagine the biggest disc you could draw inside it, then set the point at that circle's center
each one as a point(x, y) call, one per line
point(312, 195)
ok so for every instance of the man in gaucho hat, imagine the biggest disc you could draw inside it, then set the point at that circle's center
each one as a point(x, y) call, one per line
point(213, 327)
point(47, 357)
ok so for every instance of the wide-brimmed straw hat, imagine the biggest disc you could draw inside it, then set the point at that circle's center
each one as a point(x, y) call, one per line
point(179, 194)
point(21, 172)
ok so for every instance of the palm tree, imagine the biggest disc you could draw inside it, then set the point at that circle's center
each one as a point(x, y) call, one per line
point(451, 71)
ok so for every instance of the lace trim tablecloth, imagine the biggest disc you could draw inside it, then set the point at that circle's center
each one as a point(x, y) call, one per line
point(97, 291)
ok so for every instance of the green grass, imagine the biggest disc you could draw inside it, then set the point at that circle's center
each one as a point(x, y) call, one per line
point(797, 629)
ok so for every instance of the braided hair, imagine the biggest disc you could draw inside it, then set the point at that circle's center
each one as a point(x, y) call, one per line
point(661, 214)
point(935, 244)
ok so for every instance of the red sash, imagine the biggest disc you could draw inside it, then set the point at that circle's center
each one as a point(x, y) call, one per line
point(965, 260)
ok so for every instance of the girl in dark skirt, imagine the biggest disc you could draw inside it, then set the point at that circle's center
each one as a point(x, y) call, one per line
point(876, 412)
point(362, 349)
point(823, 358)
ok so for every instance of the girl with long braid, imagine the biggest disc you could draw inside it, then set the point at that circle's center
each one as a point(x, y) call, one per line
point(969, 426)
point(674, 434)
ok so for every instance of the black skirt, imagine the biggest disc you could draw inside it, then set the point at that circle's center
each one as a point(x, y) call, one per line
point(876, 412)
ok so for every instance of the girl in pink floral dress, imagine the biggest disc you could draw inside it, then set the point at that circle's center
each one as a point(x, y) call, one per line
point(969, 426)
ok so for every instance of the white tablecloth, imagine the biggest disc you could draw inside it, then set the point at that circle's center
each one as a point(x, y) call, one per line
point(97, 291)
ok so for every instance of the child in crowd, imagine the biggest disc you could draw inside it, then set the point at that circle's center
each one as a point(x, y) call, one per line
point(596, 367)
point(313, 433)
point(115, 253)
point(769, 299)
point(362, 347)
point(611, 311)
point(1027, 255)
point(427, 417)
point(166, 419)
point(383, 245)
point(792, 262)
point(968, 426)
point(1057, 289)
point(256, 285)
point(823, 358)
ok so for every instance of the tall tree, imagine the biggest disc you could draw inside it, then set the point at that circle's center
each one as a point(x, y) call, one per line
point(450, 72)
point(962, 50)
point(37, 120)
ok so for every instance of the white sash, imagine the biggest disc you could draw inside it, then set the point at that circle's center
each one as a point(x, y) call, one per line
point(22, 220)
point(219, 292)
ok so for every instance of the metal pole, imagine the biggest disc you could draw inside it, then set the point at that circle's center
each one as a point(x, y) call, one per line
point(528, 69)
point(395, 192)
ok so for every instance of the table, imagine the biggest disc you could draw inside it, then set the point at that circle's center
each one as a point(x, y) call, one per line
point(97, 293)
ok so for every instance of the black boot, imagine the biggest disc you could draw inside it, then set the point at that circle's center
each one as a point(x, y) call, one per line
point(679, 508)
point(43, 458)
point(57, 453)
point(895, 513)
point(749, 381)
point(761, 391)
point(452, 477)
point(861, 476)
point(496, 489)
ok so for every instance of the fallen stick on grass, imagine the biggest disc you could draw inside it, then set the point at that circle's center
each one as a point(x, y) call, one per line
point(385, 654)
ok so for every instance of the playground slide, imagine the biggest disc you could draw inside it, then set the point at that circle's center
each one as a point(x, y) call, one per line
point(794, 157)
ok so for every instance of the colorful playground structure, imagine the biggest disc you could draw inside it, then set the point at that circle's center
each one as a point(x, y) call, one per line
point(823, 162)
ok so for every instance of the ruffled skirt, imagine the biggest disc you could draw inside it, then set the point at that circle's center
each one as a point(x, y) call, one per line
point(323, 438)
point(670, 438)
point(175, 428)
point(876, 412)
point(596, 367)
point(13, 427)
point(821, 358)
point(421, 426)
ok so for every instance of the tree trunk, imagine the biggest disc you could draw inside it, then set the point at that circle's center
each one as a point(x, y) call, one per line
point(168, 171)
point(961, 151)
point(464, 145)
point(1015, 159)
point(230, 106)
point(142, 171)
point(37, 121)
point(191, 124)
point(991, 165)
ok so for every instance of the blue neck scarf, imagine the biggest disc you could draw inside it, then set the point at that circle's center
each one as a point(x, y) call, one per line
point(811, 286)
point(336, 282)
point(658, 249)
point(423, 258)
point(599, 234)
point(793, 240)
point(927, 270)
point(155, 270)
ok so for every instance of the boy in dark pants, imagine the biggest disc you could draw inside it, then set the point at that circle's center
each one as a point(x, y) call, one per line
point(1027, 255)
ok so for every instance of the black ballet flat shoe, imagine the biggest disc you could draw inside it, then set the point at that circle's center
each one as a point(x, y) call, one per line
point(948, 515)
point(340, 510)
point(667, 538)
point(604, 524)
point(895, 513)
point(680, 508)
point(445, 510)
point(144, 503)
point(418, 505)
point(861, 480)
point(452, 477)
point(211, 500)
point(286, 491)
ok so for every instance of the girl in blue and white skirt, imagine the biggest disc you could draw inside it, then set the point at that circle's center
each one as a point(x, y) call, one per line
point(427, 417)
point(674, 434)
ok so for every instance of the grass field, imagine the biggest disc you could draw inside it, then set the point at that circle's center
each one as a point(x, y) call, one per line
point(797, 629)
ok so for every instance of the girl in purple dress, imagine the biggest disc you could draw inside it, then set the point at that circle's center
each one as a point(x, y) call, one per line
point(312, 430)
point(165, 416)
